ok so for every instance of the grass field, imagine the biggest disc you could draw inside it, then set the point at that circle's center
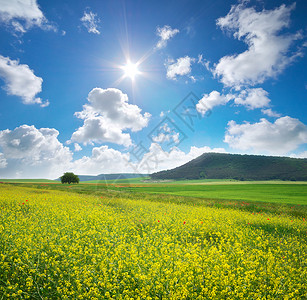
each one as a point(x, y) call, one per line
point(153, 241)
point(27, 180)
point(279, 193)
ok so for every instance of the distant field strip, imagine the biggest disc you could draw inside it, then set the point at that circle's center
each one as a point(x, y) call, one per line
point(28, 180)
point(276, 193)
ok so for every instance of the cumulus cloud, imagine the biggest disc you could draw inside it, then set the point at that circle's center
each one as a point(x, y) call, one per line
point(3, 162)
point(28, 152)
point(299, 155)
point(103, 160)
point(209, 101)
point(181, 67)
point(90, 21)
point(166, 134)
point(98, 130)
point(31, 152)
point(77, 147)
point(278, 138)
point(106, 116)
point(253, 98)
point(269, 112)
point(165, 33)
point(107, 160)
point(21, 81)
point(162, 137)
point(268, 50)
point(23, 14)
point(156, 159)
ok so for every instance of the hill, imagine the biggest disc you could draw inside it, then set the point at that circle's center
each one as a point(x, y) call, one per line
point(240, 167)
point(104, 177)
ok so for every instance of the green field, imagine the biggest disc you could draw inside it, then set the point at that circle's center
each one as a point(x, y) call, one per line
point(263, 196)
point(27, 180)
point(127, 181)
point(276, 193)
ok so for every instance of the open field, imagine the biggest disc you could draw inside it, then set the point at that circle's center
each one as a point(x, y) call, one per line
point(286, 192)
point(91, 241)
point(147, 180)
point(279, 193)
point(270, 196)
point(141, 180)
point(126, 181)
point(27, 180)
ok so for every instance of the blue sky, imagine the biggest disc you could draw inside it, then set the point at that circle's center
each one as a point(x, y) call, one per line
point(140, 86)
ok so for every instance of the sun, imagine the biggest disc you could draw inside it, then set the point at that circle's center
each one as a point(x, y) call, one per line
point(131, 70)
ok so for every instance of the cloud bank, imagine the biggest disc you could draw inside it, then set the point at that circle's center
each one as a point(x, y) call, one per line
point(264, 137)
point(28, 152)
point(31, 152)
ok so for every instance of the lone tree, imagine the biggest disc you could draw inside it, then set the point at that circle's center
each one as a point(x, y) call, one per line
point(69, 178)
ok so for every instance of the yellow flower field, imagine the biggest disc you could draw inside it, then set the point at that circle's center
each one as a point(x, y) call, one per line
point(61, 245)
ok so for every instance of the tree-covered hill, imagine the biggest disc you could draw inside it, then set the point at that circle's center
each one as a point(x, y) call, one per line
point(240, 167)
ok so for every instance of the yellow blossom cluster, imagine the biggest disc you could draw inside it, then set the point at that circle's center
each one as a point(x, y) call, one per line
point(61, 245)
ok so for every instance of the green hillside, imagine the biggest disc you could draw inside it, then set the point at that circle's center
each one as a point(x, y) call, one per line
point(239, 167)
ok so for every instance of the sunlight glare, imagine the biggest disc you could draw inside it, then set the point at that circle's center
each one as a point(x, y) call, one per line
point(130, 70)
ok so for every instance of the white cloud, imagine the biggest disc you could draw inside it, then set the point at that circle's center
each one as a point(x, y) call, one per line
point(90, 21)
point(157, 159)
point(209, 101)
point(108, 160)
point(3, 162)
point(181, 67)
point(99, 130)
point(253, 98)
point(106, 116)
point(28, 152)
point(268, 49)
point(299, 155)
point(269, 112)
point(166, 136)
point(44, 104)
point(278, 138)
point(21, 81)
point(77, 147)
point(31, 152)
point(27, 12)
point(204, 62)
point(103, 160)
point(165, 33)
point(164, 113)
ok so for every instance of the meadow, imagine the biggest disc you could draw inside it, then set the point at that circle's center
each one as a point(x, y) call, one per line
point(153, 241)
point(279, 193)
